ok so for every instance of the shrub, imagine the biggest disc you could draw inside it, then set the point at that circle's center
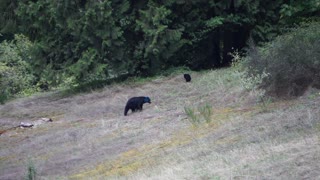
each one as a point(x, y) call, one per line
point(248, 81)
point(292, 62)
point(15, 70)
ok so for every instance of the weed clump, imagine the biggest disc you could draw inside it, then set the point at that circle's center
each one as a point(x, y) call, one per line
point(31, 172)
point(203, 113)
point(291, 61)
point(193, 118)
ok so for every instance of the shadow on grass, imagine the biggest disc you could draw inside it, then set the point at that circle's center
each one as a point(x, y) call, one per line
point(93, 85)
point(125, 78)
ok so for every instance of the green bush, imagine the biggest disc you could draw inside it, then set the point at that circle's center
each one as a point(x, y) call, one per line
point(15, 71)
point(248, 81)
point(292, 62)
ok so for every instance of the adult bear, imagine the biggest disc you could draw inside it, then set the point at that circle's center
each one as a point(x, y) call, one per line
point(136, 103)
point(187, 77)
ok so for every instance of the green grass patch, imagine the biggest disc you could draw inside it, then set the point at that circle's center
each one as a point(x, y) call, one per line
point(31, 171)
point(201, 114)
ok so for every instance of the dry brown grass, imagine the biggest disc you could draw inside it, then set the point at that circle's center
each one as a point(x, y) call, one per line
point(91, 139)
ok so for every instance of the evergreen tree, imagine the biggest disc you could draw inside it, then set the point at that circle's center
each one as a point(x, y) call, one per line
point(94, 40)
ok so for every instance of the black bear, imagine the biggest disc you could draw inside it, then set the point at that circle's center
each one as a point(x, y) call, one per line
point(187, 77)
point(136, 103)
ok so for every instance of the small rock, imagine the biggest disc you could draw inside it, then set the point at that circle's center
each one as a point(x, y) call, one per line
point(26, 125)
point(46, 119)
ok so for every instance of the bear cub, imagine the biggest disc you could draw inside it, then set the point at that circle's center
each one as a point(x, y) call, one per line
point(136, 103)
point(187, 77)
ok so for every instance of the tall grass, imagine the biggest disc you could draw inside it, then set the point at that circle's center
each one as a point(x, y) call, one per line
point(192, 117)
point(31, 171)
point(206, 112)
point(201, 114)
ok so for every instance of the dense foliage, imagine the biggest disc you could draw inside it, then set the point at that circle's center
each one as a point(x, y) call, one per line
point(15, 71)
point(291, 62)
point(86, 40)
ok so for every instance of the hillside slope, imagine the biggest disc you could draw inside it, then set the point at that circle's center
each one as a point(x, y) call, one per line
point(90, 138)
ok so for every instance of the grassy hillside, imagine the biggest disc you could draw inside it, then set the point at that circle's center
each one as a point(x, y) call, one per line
point(211, 128)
